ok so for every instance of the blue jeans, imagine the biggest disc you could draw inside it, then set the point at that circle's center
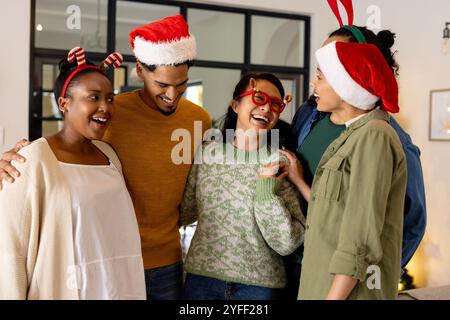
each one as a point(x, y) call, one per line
point(206, 288)
point(164, 283)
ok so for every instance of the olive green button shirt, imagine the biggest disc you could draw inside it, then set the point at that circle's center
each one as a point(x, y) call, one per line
point(355, 215)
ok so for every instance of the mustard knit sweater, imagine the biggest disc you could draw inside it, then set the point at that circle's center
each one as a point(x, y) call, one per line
point(142, 138)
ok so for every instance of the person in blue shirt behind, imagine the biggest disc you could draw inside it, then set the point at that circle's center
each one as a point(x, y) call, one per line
point(314, 133)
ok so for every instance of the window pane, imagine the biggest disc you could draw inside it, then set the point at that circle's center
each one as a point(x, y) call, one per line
point(130, 83)
point(50, 127)
point(194, 92)
point(120, 78)
point(218, 86)
point(49, 106)
point(48, 76)
point(293, 87)
point(65, 24)
point(220, 35)
point(131, 15)
point(277, 41)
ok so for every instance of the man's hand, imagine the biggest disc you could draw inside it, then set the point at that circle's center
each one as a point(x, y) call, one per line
point(7, 171)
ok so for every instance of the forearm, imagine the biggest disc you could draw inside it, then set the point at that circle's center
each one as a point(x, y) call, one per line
point(304, 189)
point(279, 217)
point(341, 287)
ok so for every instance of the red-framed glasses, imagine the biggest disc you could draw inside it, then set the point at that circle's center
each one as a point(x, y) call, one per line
point(260, 98)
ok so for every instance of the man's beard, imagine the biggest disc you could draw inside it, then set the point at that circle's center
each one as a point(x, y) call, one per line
point(167, 113)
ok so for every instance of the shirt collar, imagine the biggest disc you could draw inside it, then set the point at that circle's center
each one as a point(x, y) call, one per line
point(349, 122)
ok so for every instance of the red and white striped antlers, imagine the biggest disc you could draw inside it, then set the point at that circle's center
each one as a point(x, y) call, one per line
point(348, 5)
point(114, 60)
point(79, 53)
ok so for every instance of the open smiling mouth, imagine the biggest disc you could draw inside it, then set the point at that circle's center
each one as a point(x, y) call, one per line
point(100, 120)
point(168, 102)
point(317, 97)
point(260, 119)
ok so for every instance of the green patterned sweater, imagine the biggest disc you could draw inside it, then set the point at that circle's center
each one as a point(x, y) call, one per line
point(245, 223)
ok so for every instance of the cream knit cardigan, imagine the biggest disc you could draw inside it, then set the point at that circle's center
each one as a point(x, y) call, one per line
point(36, 241)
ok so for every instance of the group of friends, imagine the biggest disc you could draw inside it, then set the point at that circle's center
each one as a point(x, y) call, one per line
point(94, 211)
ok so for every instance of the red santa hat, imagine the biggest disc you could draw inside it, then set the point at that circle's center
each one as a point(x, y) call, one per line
point(164, 42)
point(359, 74)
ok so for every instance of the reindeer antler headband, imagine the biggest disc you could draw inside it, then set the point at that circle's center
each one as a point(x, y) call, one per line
point(348, 5)
point(114, 60)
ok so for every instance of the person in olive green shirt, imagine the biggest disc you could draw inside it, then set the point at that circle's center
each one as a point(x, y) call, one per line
point(355, 214)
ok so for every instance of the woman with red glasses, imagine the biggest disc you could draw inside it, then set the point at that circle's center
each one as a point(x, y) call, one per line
point(248, 214)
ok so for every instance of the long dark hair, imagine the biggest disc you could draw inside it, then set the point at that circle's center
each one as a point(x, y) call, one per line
point(286, 137)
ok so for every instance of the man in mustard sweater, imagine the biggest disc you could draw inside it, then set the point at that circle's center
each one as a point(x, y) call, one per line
point(141, 134)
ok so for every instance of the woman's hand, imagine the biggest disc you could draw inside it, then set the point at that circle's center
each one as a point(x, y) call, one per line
point(274, 170)
point(296, 174)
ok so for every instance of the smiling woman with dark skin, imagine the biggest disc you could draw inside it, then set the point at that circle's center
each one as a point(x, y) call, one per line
point(87, 109)
point(62, 236)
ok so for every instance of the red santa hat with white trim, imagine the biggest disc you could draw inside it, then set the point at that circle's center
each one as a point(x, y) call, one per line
point(164, 42)
point(359, 74)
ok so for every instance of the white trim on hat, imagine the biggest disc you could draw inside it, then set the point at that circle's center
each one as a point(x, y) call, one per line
point(339, 79)
point(167, 53)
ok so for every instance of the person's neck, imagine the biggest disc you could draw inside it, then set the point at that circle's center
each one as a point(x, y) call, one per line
point(247, 142)
point(73, 142)
point(145, 97)
point(344, 114)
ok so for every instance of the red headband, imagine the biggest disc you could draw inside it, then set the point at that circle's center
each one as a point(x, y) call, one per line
point(114, 60)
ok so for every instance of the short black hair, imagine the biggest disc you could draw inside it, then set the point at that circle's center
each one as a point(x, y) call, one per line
point(152, 67)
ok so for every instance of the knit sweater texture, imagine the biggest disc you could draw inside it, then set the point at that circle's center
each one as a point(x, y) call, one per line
point(245, 223)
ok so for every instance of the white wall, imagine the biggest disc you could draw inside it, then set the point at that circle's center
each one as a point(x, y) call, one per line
point(14, 71)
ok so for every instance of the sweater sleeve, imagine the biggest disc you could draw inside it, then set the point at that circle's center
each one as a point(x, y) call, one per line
point(19, 203)
point(278, 215)
point(189, 207)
